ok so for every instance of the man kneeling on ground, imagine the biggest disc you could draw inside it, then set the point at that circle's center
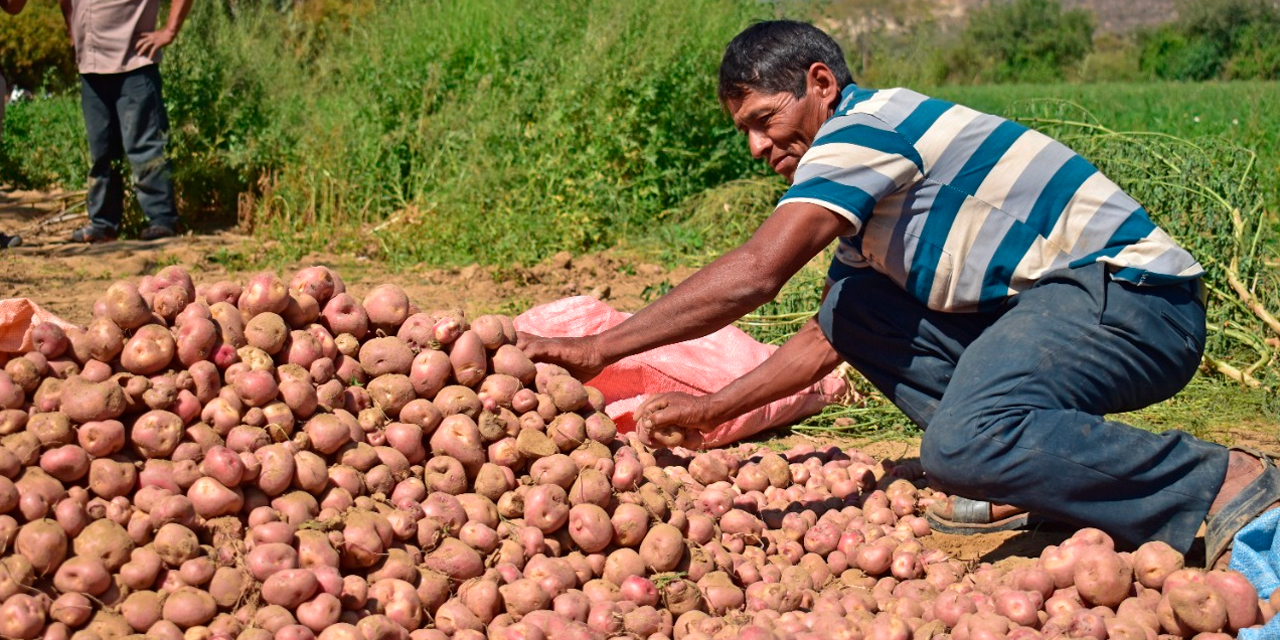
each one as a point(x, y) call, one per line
point(992, 283)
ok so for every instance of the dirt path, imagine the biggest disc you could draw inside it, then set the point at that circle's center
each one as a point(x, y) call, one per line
point(66, 278)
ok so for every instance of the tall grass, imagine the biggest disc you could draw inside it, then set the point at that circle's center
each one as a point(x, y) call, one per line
point(498, 131)
point(438, 132)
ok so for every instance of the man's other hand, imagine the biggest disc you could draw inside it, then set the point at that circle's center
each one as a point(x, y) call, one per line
point(580, 356)
point(676, 419)
point(149, 44)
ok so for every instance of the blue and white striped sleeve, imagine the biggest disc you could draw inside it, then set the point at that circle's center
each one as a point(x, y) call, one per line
point(855, 161)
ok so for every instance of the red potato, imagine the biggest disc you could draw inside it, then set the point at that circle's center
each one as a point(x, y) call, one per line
point(111, 478)
point(1153, 562)
point(125, 306)
point(344, 314)
point(467, 358)
point(263, 293)
point(156, 434)
point(23, 374)
point(457, 399)
point(388, 307)
point(1102, 577)
point(545, 507)
point(49, 339)
point(211, 499)
point(21, 616)
point(150, 350)
point(71, 609)
point(567, 393)
point(83, 401)
point(458, 437)
point(142, 609)
point(1192, 608)
point(175, 276)
point(43, 543)
point(300, 310)
point(67, 463)
point(391, 392)
point(188, 607)
point(418, 332)
point(302, 348)
point(195, 341)
point(290, 587)
point(386, 355)
point(1239, 595)
point(317, 282)
point(170, 301)
point(266, 331)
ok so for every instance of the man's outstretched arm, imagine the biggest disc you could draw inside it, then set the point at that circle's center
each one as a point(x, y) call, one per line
point(801, 361)
point(716, 295)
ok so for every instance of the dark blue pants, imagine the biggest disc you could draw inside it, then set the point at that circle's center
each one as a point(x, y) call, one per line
point(1012, 401)
point(124, 115)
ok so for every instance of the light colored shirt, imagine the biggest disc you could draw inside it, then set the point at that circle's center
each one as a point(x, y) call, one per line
point(106, 34)
point(965, 209)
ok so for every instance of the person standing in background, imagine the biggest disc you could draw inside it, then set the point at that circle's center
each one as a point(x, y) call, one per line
point(118, 52)
point(12, 7)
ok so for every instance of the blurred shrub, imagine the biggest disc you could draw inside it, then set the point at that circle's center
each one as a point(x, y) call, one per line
point(1234, 39)
point(35, 52)
point(1021, 41)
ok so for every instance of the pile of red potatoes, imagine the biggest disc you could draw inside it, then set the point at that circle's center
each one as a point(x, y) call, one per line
point(287, 460)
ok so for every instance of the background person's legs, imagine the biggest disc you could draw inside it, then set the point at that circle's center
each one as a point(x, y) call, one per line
point(98, 96)
point(144, 130)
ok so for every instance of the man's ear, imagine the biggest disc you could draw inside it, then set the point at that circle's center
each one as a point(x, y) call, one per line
point(821, 81)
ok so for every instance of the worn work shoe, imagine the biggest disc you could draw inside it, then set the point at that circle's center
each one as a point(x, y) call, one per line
point(93, 235)
point(158, 231)
point(8, 242)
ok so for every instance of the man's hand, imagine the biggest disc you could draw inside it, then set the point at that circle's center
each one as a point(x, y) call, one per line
point(676, 419)
point(580, 356)
point(149, 44)
point(677, 409)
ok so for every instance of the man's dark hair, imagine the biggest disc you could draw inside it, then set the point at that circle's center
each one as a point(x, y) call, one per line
point(775, 56)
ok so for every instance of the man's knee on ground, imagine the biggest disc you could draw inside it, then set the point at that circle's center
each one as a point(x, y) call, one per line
point(960, 454)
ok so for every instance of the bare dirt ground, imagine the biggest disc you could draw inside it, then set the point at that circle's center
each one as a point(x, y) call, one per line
point(66, 278)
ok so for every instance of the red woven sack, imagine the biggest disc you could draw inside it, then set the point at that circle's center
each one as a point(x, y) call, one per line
point(698, 367)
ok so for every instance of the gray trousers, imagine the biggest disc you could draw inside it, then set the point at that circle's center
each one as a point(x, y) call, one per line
point(1013, 402)
point(124, 114)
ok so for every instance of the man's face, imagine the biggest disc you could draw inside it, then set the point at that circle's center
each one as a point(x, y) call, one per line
point(780, 127)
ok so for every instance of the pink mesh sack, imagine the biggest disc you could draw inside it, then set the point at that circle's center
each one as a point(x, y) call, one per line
point(697, 367)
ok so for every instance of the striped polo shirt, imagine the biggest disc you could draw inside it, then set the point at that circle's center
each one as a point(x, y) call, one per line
point(965, 209)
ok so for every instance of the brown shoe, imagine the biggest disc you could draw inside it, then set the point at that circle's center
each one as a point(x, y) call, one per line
point(93, 235)
point(158, 232)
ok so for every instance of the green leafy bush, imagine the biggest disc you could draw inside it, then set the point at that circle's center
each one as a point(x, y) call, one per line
point(35, 52)
point(1021, 41)
point(1230, 38)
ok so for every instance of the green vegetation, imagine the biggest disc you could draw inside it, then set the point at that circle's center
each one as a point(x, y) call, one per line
point(34, 48)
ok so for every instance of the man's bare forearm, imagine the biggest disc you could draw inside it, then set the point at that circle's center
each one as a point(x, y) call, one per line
point(177, 15)
point(65, 5)
point(801, 361)
point(707, 301)
point(733, 285)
